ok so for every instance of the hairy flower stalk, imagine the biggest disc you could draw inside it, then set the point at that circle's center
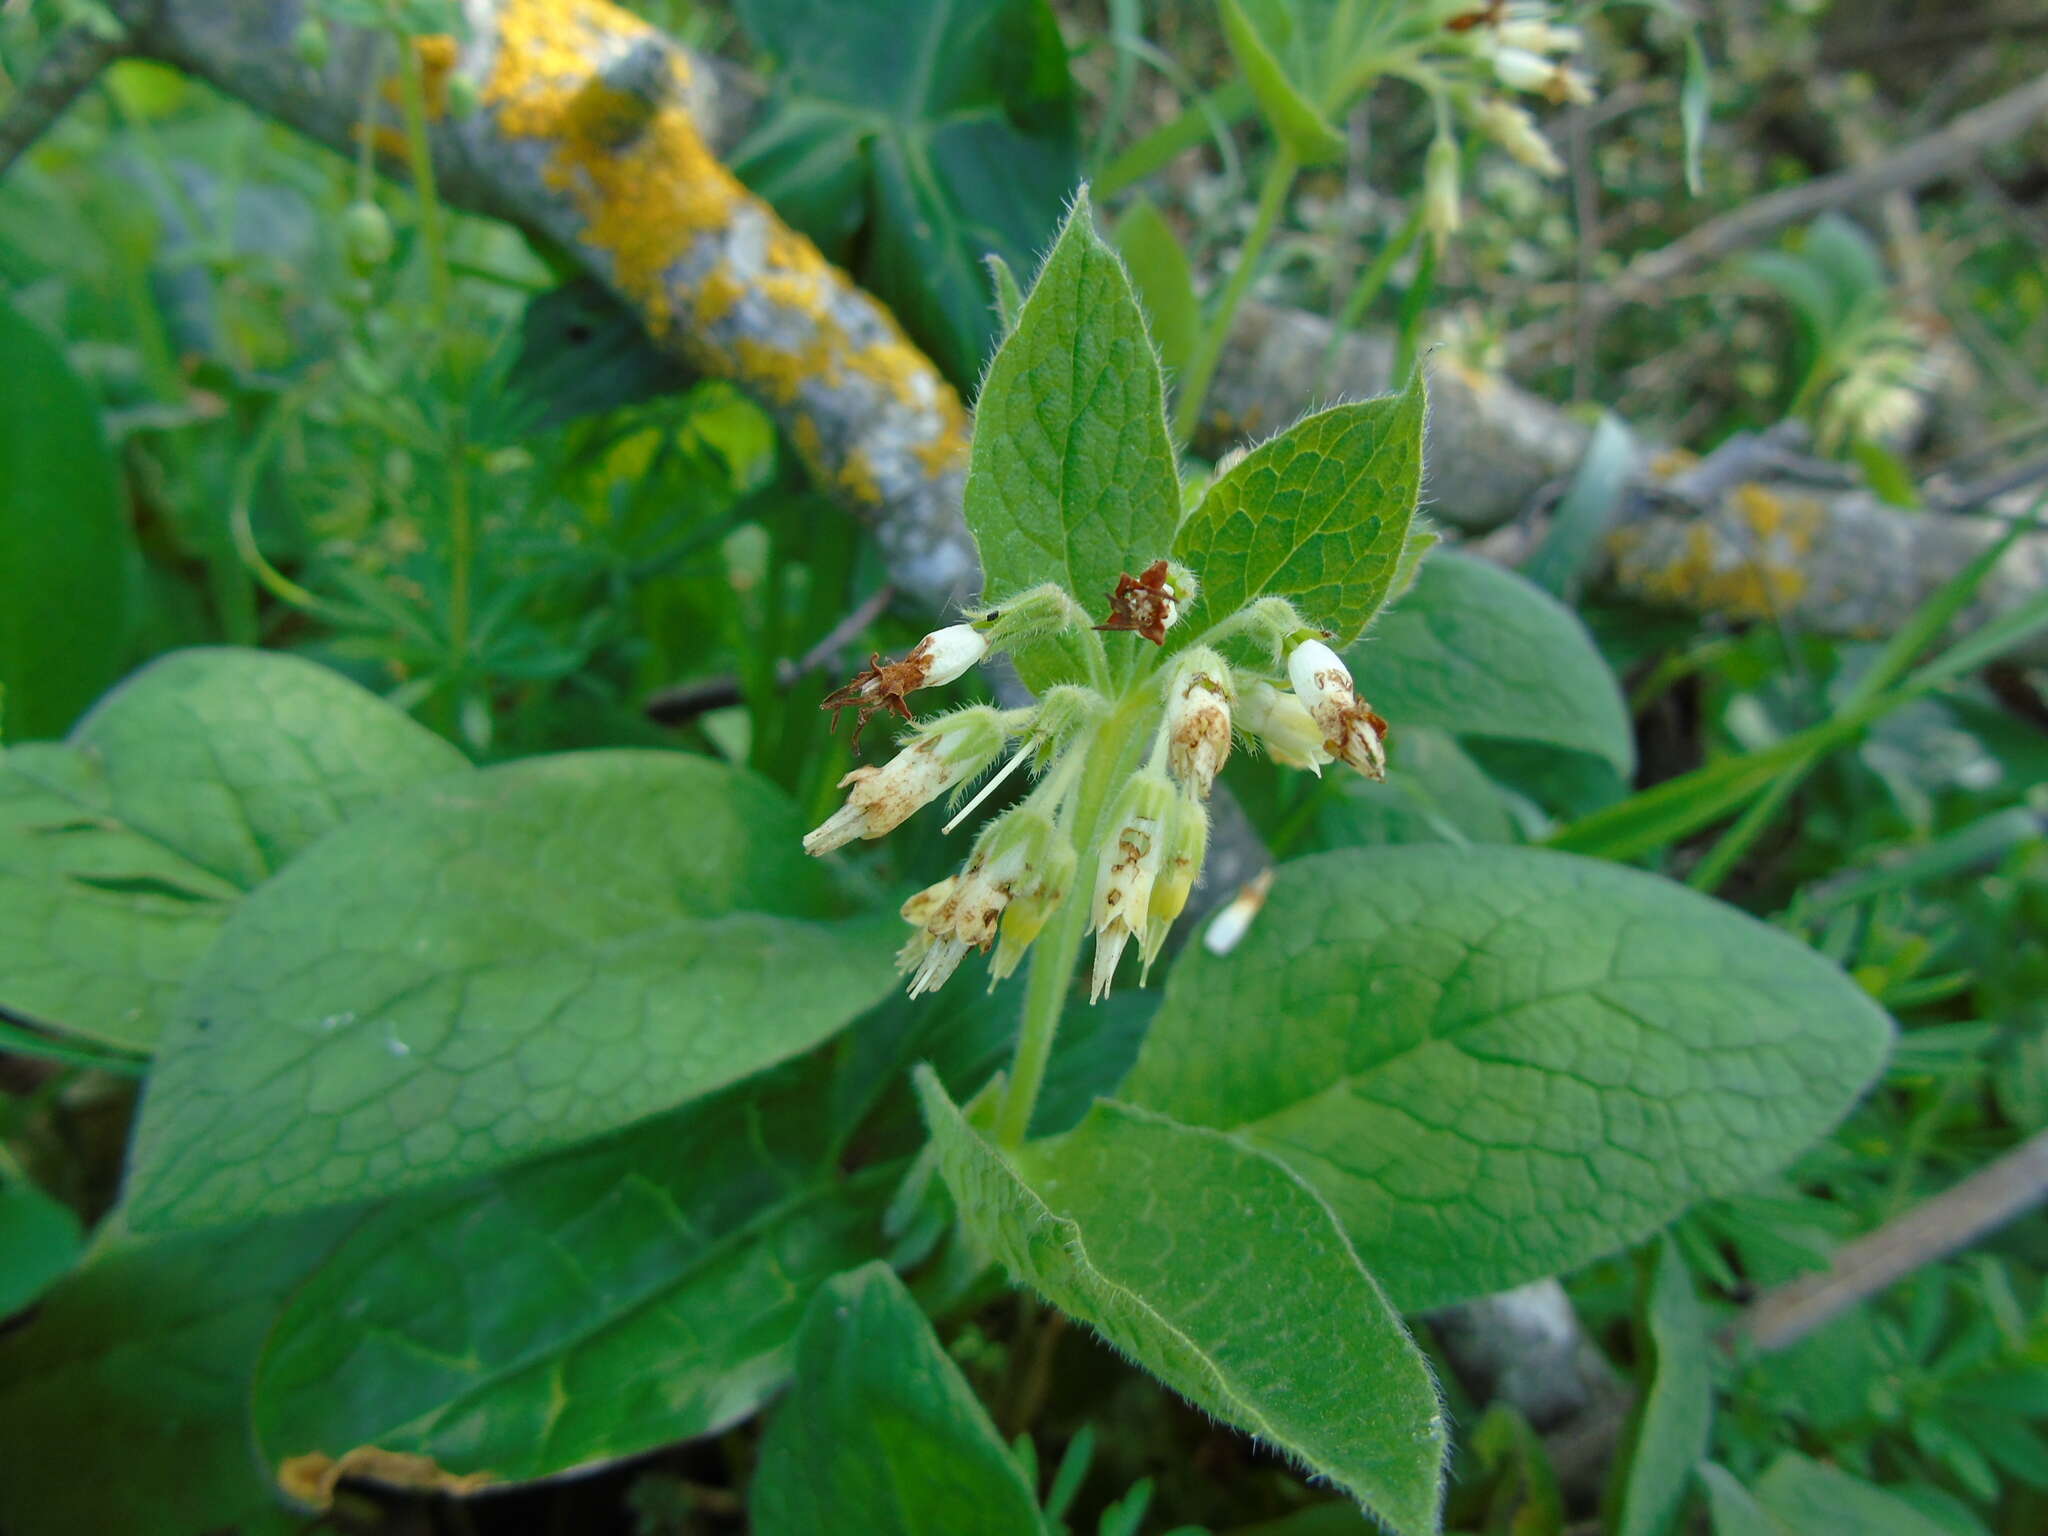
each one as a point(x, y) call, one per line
point(1351, 732)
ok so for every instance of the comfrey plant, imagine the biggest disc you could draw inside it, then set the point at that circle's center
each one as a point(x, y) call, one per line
point(1462, 1067)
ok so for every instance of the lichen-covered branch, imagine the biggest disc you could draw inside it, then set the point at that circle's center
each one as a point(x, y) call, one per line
point(595, 130)
point(74, 60)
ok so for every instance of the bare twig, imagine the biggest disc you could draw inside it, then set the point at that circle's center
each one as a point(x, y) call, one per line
point(72, 63)
point(1932, 1230)
point(1912, 165)
point(685, 701)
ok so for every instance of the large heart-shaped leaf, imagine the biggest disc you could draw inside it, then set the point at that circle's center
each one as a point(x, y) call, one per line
point(1216, 1269)
point(494, 967)
point(1072, 478)
point(1478, 651)
point(588, 1306)
point(1497, 1063)
point(123, 1400)
point(123, 851)
point(881, 1433)
point(1319, 514)
point(913, 138)
point(67, 557)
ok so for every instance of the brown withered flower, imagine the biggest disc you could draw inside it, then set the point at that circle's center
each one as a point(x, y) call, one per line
point(939, 657)
point(1144, 605)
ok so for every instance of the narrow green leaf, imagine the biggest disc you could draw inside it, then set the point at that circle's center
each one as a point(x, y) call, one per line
point(1497, 1064)
point(1319, 514)
point(1669, 1435)
point(1479, 651)
point(123, 1401)
point(1695, 109)
point(123, 851)
point(1818, 1500)
point(599, 1303)
point(1217, 1270)
point(494, 967)
point(1260, 38)
point(1164, 281)
point(1586, 511)
point(39, 1240)
point(1072, 478)
point(880, 1433)
point(67, 557)
point(1734, 1510)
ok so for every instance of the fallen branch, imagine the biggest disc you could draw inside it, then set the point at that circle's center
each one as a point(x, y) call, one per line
point(1932, 1230)
point(73, 61)
point(1912, 165)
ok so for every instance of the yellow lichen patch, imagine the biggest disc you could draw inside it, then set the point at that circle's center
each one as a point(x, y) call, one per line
point(1672, 462)
point(1761, 509)
point(857, 479)
point(717, 295)
point(810, 447)
point(437, 55)
point(311, 1479)
point(1708, 574)
point(775, 371)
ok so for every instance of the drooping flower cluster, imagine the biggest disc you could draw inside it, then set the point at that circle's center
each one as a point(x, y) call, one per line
point(1131, 851)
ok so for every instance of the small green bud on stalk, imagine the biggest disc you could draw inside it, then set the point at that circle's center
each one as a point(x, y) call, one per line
point(366, 238)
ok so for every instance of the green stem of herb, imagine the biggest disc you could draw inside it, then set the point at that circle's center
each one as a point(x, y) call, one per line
point(1058, 950)
point(1367, 289)
point(1194, 384)
point(420, 162)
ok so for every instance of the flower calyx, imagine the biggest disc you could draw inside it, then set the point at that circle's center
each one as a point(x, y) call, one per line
point(1351, 732)
point(1150, 603)
point(938, 658)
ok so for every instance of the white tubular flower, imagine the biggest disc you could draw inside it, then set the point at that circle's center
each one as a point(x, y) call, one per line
point(1441, 210)
point(918, 912)
point(939, 657)
point(1187, 845)
point(1030, 910)
point(1535, 33)
point(1515, 131)
point(1007, 860)
point(1520, 70)
point(947, 653)
point(1283, 723)
point(1351, 731)
point(1198, 725)
point(879, 800)
point(1130, 864)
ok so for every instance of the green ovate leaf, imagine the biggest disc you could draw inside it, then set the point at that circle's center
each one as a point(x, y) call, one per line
point(495, 967)
point(1217, 1270)
point(123, 851)
point(1319, 514)
point(1814, 1499)
point(1497, 1064)
point(67, 556)
point(880, 1433)
point(1669, 1436)
point(1434, 793)
point(123, 1401)
point(912, 138)
point(1072, 477)
point(1280, 57)
point(1478, 651)
point(39, 1241)
point(1164, 281)
point(592, 1305)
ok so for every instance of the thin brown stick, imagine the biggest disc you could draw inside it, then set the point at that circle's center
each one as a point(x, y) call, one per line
point(1912, 165)
point(72, 63)
point(1985, 1201)
point(682, 703)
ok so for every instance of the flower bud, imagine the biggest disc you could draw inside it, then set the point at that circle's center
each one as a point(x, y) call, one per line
point(1283, 723)
point(1516, 132)
point(1198, 727)
point(1030, 910)
point(938, 658)
point(366, 238)
point(1037, 614)
point(1187, 845)
point(1351, 731)
point(881, 799)
point(1441, 214)
point(1008, 858)
point(1535, 35)
point(1520, 70)
point(1130, 864)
